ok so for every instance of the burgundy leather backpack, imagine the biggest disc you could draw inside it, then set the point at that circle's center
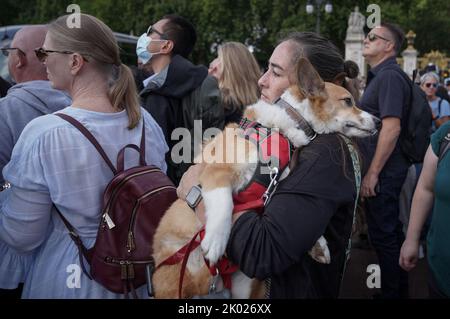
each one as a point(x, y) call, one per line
point(133, 203)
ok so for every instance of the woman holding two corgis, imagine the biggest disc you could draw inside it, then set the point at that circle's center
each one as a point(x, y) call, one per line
point(296, 247)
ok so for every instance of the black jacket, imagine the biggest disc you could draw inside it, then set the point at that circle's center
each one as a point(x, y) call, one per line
point(316, 199)
point(188, 94)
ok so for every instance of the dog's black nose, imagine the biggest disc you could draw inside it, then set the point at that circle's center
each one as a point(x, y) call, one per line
point(377, 122)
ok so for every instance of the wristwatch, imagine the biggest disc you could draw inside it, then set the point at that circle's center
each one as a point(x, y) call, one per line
point(194, 196)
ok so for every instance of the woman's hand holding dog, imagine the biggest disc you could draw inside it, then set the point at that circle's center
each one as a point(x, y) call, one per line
point(190, 179)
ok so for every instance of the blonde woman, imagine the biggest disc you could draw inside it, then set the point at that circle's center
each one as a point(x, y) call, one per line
point(429, 83)
point(238, 73)
point(52, 163)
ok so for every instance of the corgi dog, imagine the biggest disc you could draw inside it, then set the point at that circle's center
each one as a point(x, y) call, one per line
point(324, 106)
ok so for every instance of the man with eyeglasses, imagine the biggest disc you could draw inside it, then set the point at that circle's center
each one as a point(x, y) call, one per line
point(179, 92)
point(386, 96)
point(31, 97)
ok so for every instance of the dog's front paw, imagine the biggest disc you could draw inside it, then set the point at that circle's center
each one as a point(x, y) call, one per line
point(214, 245)
point(219, 208)
point(320, 251)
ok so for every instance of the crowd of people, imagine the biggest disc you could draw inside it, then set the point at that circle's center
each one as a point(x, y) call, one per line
point(47, 165)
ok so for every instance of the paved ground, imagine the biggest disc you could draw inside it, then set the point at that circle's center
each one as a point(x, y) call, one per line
point(355, 282)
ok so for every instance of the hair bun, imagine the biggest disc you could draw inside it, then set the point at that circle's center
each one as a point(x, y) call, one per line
point(351, 69)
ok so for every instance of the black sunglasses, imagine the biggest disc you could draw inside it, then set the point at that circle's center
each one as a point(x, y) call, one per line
point(42, 54)
point(372, 37)
point(5, 51)
point(431, 85)
point(150, 30)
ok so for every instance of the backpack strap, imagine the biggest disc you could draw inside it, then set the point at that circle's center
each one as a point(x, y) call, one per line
point(396, 67)
point(90, 137)
point(140, 150)
point(142, 146)
point(407, 109)
point(82, 250)
point(439, 107)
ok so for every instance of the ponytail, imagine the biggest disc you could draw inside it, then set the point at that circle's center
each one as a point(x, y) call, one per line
point(123, 95)
point(97, 41)
point(351, 69)
point(352, 85)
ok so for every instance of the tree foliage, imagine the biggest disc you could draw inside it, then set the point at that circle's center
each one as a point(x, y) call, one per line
point(255, 22)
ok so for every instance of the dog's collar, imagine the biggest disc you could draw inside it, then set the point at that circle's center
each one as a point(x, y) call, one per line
point(295, 115)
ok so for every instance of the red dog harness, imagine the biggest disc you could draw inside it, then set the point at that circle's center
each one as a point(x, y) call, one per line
point(274, 152)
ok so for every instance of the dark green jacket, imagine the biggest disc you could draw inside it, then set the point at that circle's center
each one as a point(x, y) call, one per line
point(188, 94)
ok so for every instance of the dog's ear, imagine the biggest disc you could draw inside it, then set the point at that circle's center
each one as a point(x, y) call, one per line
point(339, 79)
point(308, 80)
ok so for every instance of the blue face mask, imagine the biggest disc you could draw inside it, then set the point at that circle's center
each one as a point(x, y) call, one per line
point(141, 48)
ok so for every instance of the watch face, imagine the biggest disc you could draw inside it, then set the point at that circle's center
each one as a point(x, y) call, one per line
point(193, 196)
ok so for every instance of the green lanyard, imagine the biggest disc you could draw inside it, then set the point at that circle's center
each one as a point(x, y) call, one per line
point(357, 171)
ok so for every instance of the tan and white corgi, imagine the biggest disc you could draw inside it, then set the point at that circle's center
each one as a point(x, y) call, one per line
point(326, 107)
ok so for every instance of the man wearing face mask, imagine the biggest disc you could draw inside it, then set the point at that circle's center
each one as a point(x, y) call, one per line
point(178, 93)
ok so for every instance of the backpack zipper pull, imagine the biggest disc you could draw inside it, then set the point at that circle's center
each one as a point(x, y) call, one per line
point(130, 243)
point(108, 221)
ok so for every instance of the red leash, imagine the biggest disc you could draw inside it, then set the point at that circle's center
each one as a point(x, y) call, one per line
point(182, 255)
